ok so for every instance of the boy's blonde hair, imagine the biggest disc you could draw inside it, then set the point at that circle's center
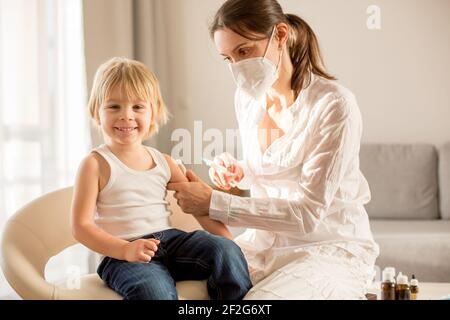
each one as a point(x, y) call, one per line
point(136, 80)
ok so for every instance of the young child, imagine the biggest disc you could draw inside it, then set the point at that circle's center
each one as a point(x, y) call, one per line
point(118, 207)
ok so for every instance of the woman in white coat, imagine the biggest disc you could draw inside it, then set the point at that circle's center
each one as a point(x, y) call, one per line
point(308, 234)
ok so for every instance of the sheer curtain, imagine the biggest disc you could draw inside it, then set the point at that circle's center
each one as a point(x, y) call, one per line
point(43, 119)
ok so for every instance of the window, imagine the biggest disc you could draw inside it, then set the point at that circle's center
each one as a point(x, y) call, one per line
point(43, 117)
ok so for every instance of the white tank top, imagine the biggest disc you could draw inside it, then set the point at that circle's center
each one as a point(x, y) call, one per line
point(132, 204)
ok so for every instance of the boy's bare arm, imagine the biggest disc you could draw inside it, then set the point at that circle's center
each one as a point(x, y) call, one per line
point(213, 226)
point(82, 219)
point(85, 194)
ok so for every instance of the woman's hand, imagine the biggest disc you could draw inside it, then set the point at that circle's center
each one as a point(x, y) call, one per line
point(141, 250)
point(194, 196)
point(228, 172)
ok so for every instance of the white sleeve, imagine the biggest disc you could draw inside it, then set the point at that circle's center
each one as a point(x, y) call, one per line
point(333, 144)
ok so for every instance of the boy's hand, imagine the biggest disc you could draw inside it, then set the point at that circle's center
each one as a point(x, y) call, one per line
point(141, 250)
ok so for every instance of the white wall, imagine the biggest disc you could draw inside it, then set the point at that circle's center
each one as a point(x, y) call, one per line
point(198, 86)
point(398, 73)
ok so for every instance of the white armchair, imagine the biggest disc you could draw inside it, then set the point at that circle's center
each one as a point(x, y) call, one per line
point(41, 230)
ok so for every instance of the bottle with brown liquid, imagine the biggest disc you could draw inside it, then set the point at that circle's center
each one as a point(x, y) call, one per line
point(388, 285)
point(414, 287)
point(402, 291)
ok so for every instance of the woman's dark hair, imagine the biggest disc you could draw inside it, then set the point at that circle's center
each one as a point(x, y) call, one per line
point(253, 18)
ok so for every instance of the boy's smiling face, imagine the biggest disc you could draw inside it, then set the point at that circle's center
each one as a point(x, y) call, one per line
point(125, 120)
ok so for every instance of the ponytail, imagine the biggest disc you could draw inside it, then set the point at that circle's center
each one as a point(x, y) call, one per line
point(305, 54)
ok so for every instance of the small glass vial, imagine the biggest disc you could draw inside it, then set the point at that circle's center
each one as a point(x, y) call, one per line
point(388, 285)
point(402, 291)
point(414, 287)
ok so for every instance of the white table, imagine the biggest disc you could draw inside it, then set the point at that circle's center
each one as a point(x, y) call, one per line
point(427, 290)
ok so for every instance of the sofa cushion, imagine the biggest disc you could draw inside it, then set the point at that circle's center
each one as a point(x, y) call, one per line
point(402, 179)
point(444, 180)
point(417, 247)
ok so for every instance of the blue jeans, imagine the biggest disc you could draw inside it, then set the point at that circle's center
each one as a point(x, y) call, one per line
point(181, 256)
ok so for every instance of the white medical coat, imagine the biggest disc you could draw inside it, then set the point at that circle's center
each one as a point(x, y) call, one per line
point(307, 196)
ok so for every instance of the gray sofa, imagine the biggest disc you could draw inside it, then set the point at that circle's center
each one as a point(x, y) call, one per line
point(410, 207)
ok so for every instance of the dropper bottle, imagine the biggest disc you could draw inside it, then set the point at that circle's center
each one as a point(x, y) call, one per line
point(388, 285)
point(402, 291)
point(414, 287)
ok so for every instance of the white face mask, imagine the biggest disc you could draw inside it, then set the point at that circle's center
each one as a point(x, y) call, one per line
point(255, 76)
